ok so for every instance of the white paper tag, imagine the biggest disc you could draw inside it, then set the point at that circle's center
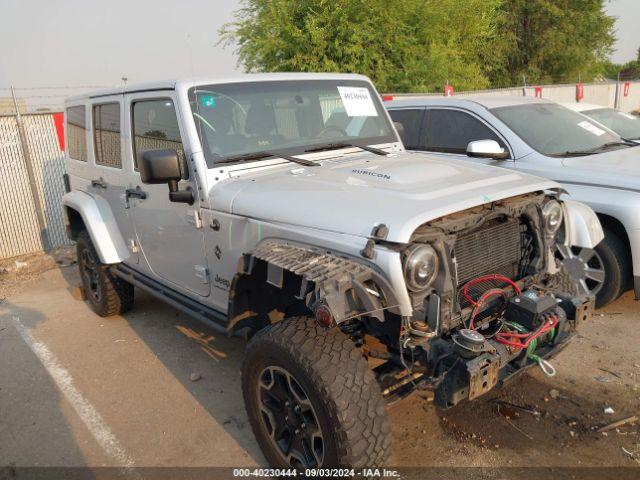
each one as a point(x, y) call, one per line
point(591, 128)
point(357, 102)
point(628, 115)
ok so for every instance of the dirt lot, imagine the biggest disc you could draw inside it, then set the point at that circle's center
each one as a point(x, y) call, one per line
point(155, 388)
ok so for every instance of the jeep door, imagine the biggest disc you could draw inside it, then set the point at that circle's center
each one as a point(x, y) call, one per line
point(109, 174)
point(169, 234)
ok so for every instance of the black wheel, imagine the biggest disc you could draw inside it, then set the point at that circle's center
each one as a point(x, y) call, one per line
point(604, 272)
point(107, 294)
point(312, 400)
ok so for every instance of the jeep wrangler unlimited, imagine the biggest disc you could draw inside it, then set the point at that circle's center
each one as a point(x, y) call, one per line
point(283, 208)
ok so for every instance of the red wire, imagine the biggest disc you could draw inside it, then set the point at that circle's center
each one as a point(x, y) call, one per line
point(512, 339)
point(487, 278)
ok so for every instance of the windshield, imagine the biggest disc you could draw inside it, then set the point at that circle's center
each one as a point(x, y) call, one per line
point(624, 124)
point(557, 131)
point(242, 119)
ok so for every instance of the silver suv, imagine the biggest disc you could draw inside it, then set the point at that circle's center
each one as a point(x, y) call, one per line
point(283, 208)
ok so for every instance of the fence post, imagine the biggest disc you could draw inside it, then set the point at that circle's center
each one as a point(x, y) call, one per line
point(33, 186)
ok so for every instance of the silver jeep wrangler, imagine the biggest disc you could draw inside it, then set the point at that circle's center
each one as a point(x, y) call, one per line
point(284, 209)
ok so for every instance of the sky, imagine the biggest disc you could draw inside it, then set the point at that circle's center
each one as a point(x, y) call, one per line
point(93, 42)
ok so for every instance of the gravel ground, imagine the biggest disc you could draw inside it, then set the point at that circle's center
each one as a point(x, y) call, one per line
point(160, 389)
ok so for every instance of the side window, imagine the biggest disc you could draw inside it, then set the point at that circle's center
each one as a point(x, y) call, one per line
point(106, 135)
point(77, 133)
point(411, 120)
point(450, 131)
point(155, 127)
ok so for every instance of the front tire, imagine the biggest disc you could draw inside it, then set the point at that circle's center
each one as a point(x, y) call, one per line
point(616, 261)
point(312, 400)
point(107, 295)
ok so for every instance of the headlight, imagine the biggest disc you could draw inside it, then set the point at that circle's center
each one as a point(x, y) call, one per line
point(552, 216)
point(420, 266)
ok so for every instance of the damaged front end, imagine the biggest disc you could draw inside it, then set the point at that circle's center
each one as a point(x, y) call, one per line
point(489, 299)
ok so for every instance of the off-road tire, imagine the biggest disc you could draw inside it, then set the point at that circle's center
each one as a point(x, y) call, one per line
point(116, 295)
point(337, 380)
point(616, 262)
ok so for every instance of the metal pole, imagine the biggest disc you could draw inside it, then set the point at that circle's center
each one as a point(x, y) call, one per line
point(33, 186)
point(617, 101)
point(524, 85)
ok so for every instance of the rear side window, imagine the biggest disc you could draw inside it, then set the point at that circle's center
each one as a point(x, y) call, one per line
point(155, 127)
point(77, 133)
point(106, 135)
point(450, 131)
point(411, 120)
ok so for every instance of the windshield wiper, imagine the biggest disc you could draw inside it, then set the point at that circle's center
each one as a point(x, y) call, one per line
point(336, 146)
point(592, 151)
point(260, 155)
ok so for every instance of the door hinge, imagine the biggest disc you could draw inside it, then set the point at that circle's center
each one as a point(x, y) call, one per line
point(202, 273)
point(194, 218)
point(133, 246)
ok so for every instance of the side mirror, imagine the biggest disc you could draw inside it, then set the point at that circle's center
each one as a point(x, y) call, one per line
point(163, 166)
point(486, 149)
point(400, 130)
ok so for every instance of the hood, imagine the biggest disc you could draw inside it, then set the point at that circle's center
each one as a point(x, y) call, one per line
point(353, 194)
point(619, 168)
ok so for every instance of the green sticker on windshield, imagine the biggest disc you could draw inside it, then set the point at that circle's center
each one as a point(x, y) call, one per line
point(208, 101)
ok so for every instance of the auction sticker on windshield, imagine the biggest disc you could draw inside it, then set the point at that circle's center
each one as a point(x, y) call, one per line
point(590, 127)
point(357, 102)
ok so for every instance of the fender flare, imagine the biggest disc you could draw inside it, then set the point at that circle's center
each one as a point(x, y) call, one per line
point(582, 225)
point(337, 279)
point(100, 223)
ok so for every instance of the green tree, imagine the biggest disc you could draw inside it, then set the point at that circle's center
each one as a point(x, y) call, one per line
point(405, 45)
point(551, 41)
point(417, 45)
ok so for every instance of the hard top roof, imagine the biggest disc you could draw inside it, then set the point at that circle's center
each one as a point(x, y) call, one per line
point(172, 84)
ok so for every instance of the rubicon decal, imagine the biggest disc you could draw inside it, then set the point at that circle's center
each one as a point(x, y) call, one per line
point(371, 173)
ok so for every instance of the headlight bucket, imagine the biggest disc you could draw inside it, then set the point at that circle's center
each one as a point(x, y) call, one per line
point(420, 266)
point(552, 216)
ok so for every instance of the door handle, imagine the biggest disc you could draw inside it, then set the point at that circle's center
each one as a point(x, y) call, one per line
point(135, 193)
point(99, 183)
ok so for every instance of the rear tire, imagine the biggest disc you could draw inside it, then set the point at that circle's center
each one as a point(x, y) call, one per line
point(333, 414)
point(616, 262)
point(107, 294)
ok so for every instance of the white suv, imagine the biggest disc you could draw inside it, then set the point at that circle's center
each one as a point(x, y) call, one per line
point(283, 208)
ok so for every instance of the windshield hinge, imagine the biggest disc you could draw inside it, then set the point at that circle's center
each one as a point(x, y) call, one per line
point(193, 217)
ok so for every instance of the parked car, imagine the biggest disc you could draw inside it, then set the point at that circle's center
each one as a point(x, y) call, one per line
point(627, 125)
point(594, 165)
point(283, 208)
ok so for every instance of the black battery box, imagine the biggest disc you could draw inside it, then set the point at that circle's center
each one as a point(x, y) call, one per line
point(529, 309)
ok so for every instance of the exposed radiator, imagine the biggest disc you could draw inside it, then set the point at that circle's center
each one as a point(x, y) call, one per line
point(494, 248)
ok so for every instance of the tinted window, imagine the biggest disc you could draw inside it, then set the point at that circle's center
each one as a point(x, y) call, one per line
point(155, 127)
point(77, 133)
point(106, 134)
point(624, 124)
point(451, 131)
point(411, 120)
point(556, 131)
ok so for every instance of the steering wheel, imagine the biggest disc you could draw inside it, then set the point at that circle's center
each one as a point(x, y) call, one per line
point(332, 128)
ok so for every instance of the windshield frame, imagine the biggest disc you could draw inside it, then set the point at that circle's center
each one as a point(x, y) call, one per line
point(521, 109)
point(213, 161)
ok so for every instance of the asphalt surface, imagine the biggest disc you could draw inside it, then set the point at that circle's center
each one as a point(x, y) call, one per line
point(156, 388)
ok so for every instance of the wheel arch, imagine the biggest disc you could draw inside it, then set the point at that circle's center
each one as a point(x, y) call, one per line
point(82, 211)
point(280, 279)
